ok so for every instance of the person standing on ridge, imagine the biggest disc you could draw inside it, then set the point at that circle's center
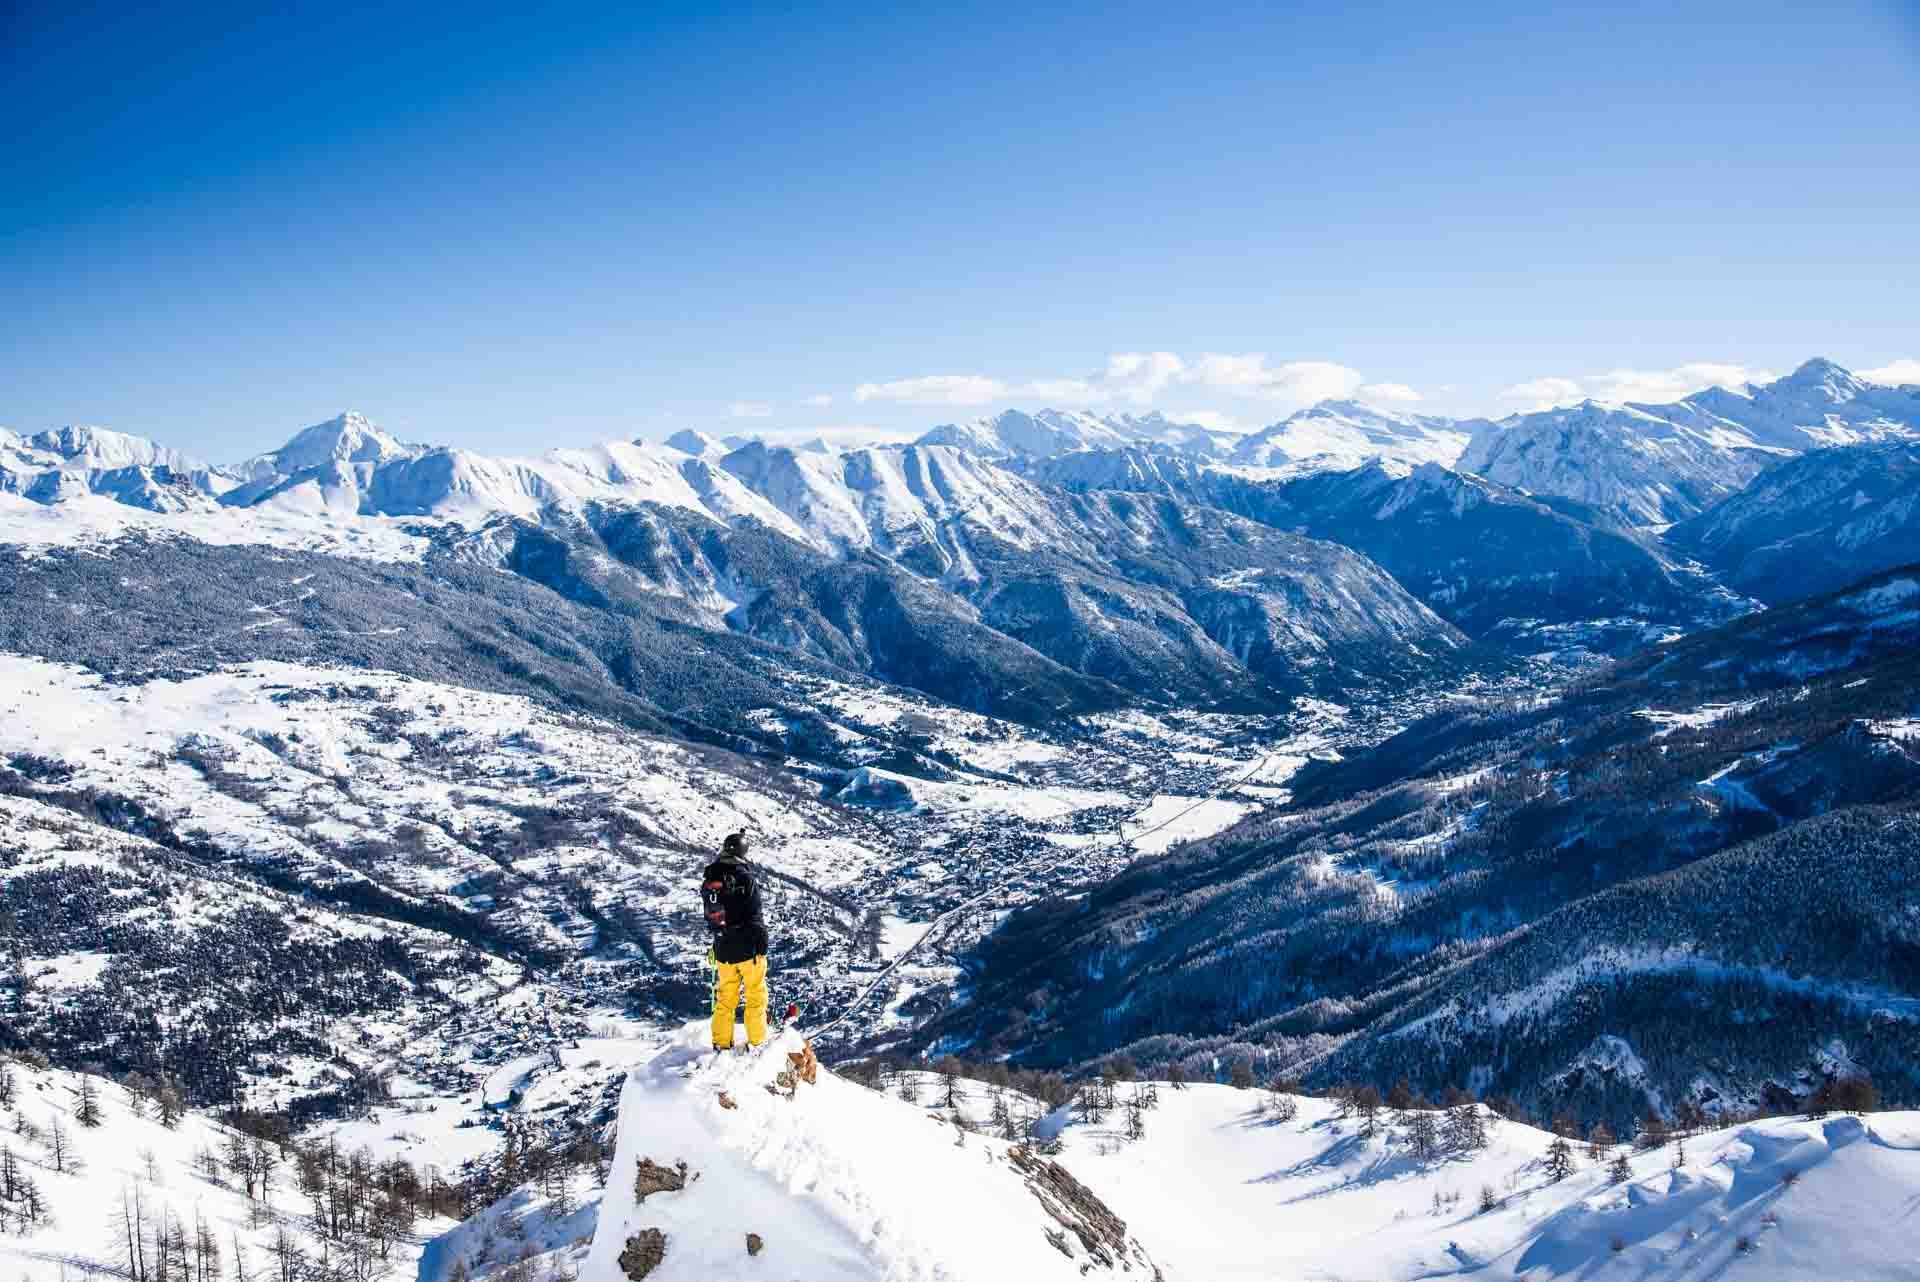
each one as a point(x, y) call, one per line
point(730, 897)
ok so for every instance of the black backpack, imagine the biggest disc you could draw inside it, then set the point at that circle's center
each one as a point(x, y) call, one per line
point(726, 897)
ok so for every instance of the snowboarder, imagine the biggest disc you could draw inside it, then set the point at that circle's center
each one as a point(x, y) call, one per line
point(730, 896)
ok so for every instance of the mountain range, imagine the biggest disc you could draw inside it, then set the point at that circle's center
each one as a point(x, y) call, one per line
point(1420, 705)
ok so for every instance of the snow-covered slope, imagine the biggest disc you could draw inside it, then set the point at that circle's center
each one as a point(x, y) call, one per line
point(171, 1183)
point(839, 1181)
point(1657, 464)
point(1503, 887)
point(1814, 524)
point(70, 463)
point(347, 468)
point(1338, 435)
point(347, 439)
point(1016, 435)
point(897, 500)
point(839, 1184)
point(1545, 577)
point(1220, 1189)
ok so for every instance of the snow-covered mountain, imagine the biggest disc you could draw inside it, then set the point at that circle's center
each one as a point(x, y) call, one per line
point(1815, 523)
point(346, 440)
point(1340, 435)
point(1531, 575)
point(1516, 892)
point(1046, 434)
point(76, 462)
point(1657, 464)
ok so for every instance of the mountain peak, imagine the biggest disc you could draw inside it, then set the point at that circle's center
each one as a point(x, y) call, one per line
point(698, 444)
point(1821, 374)
point(345, 438)
point(100, 447)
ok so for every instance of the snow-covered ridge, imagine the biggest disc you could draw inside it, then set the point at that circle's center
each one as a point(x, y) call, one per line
point(1656, 464)
point(839, 1181)
point(1340, 435)
point(836, 1182)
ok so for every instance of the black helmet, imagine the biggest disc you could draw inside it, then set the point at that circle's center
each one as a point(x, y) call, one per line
point(735, 846)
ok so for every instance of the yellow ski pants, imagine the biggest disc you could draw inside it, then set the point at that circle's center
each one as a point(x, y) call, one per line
point(729, 980)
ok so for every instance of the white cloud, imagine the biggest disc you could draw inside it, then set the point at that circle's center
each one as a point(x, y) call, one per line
point(1139, 376)
point(1545, 393)
point(1061, 391)
point(934, 389)
point(1656, 387)
point(750, 409)
point(1144, 379)
point(821, 399)
point(1390, 393)
point(1897, 374)
point(1290, 382)
point(1660, 386)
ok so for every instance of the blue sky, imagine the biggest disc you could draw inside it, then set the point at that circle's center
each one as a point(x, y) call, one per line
point(510, 229)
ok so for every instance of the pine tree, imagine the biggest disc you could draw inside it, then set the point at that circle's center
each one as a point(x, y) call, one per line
point(206, 1250)
point(1423, 1135)
point(9, 1086)
point(1621, 1171)
point(60, 1147)
point(290, 1261)
point(1559, 1159)
point(950, 1070)
point(171, 1104)
point(87, 1110)
point(1466, 1130)
point(1366, 1107)
point(1488, 1201)
point(561, 1201)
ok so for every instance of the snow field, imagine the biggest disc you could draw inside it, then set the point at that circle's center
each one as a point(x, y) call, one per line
point(1218, 1190)
point(128, 1155)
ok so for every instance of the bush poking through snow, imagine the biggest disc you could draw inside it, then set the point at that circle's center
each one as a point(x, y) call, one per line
point(645, 1252)
point(651, 1177)
point(755, 1244)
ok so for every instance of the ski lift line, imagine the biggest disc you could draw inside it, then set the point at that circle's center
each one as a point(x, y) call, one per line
point(974, 902)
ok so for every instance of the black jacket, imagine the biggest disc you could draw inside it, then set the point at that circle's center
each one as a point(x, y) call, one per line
point(730, 899)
